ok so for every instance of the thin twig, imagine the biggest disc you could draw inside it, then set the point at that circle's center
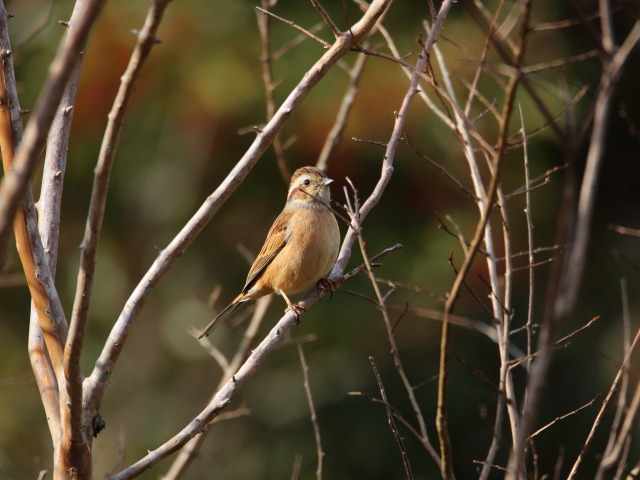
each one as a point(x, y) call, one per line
point(442, 170)
point(354, 213)
point(266, 61)
point(531, 257)
point(327, 19)
point(605, 403)
point(296, 26)
point(312, 409)
point(613, 452)
point(562, 417)
point(334, 137)
point(392, 423)
point(632, 232)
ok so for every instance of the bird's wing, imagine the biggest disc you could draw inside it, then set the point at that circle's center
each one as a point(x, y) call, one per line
point(277, 238)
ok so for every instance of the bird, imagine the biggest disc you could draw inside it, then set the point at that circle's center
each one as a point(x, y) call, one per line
point(301, 246)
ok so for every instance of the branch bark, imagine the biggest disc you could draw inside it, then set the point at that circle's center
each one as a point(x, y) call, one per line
point(15, 185)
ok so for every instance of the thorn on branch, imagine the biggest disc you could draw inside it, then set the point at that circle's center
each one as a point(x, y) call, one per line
point(68, 110)
point(6, 53)
point(64, 23)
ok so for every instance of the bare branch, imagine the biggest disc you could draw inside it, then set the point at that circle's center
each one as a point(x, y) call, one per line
point(327, 19)
point(49, 327)
point(297, 27)
point(312, 409)
point(610, 75)
point(14, 185)
point(392, 424)
point(335, 134)
point(354, 213)
point(562, 417)
point(269, 85)
point(605, 403)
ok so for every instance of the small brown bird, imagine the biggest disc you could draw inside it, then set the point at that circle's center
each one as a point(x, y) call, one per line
point(300, 248)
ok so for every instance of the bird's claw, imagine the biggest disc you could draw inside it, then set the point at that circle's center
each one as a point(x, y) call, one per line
point(297, 310)
point(327, 284)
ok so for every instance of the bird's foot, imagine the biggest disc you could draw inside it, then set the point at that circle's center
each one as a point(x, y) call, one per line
point(297, 310)
point(327, 284)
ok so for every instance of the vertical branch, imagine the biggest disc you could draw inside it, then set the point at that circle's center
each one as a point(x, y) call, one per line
point(312, 409)
point(55, 160)
point(617, 438)
point(14, 185)
point(266, 60)
point(146, 40)
point(574, 262)
point(46, 339)
point(335, 134)
point(77, 431)
point(498, 155)
point(611, 70)
point(392, 423)
point(622, 371)
point(530, 243)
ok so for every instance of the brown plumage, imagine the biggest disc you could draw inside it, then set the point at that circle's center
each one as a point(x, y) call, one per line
point(300, 248)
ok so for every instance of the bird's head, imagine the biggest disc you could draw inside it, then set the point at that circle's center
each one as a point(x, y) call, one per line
point(309, 186)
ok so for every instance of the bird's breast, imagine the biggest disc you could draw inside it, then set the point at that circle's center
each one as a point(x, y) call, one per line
point(310, 253)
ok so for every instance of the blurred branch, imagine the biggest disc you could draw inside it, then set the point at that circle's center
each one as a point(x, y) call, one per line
point(622, 372)
point(611, 72)
point(335, 135)
point(312, 409)
point(14, 184)
point(266, 60)
point(617, 437)
point(570, 274)
point(633, 232)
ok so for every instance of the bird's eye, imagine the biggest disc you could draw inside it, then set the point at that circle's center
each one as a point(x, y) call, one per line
point(307, 182)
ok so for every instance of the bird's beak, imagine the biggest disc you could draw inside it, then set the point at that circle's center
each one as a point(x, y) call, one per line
point(328, 181)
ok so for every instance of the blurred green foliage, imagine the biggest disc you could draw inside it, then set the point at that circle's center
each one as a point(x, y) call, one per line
point(203, 85)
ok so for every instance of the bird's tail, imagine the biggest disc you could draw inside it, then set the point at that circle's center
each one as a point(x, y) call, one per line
point(222, 316)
